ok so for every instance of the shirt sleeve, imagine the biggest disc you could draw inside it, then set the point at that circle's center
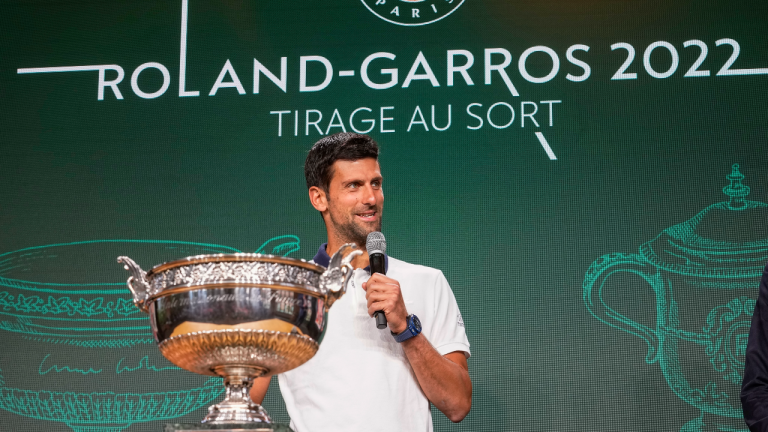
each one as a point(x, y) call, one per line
point(447, 332)
point(754, 389)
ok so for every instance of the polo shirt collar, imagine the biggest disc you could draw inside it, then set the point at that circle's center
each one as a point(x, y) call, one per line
point(324, 259)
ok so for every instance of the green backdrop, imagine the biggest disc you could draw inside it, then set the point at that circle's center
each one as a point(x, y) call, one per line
point(569, 165)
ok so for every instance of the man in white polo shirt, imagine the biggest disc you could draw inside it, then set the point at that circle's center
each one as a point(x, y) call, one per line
point(363, 378)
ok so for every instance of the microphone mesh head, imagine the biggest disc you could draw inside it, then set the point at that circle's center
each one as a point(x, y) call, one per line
point(376, 243)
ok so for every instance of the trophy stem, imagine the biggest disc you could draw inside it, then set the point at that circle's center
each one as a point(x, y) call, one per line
point(237, 406)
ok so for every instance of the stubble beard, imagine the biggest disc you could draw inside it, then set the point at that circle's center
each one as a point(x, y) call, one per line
point(348, 231)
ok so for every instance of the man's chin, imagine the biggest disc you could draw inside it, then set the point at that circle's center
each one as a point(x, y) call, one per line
point(375, 226)
point(360, 235)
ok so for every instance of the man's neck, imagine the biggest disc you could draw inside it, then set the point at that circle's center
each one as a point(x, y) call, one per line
point(335, 244)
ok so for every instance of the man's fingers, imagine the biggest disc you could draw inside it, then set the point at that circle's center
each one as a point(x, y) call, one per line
point(377, 295)
point(382, 294)
point(382, 306)
point(379, 298)
point(378, 277)
point(369, 284)
point(380, 287)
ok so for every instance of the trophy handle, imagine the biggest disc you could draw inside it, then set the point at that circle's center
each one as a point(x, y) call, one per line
point(594, 281)
point(137, 282)
point(334, 280)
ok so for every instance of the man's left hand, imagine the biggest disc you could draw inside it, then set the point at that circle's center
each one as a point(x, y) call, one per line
point(383, 294)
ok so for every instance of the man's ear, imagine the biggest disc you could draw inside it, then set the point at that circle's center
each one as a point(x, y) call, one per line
point(318, 198)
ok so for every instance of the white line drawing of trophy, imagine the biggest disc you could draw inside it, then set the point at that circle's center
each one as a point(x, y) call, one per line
point(88, 351)
point(705, 273)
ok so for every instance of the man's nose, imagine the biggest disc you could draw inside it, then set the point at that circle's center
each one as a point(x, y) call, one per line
point(369, 195)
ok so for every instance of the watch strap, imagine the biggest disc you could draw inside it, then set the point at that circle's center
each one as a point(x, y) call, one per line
point(408, 332)
point(404, 336)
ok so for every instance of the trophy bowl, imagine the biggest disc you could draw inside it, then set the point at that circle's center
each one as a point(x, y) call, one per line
point(239, 316)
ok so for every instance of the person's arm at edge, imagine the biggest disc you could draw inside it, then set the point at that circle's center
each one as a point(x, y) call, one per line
point(259, 389)
point(754, 389)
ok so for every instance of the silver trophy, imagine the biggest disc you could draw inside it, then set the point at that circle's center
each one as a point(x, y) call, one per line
point(240, 317)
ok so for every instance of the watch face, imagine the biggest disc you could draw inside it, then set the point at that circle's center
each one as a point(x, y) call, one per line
point(416, 324)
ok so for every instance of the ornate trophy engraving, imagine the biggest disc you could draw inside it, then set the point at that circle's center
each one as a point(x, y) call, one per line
point(239, 316)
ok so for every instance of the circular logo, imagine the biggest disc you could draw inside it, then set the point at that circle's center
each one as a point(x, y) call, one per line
point(412, 12)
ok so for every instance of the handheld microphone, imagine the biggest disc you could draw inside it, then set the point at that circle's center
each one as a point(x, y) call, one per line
point(377, 247)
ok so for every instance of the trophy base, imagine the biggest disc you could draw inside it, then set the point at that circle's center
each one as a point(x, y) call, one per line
point(713, 423)
point(226, 427)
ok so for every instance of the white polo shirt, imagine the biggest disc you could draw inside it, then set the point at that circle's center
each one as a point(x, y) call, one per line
point(360, 378)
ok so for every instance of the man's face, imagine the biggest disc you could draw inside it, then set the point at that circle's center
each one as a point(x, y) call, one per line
point(355, 200)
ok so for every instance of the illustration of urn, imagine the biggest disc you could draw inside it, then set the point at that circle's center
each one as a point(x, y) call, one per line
point(77, 351)
point(705, 273)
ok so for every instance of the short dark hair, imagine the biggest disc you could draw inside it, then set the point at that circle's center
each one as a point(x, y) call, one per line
point(341, 146)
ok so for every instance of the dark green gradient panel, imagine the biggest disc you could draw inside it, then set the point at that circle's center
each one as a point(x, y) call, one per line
point(589, 175)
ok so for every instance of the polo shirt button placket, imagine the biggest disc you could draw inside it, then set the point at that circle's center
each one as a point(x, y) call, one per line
point(361, 304)
point(355, 296)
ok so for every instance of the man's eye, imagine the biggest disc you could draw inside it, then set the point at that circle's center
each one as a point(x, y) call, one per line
point(352, 185)
point(376, 184)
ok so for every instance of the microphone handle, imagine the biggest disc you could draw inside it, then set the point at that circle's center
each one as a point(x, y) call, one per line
point(377, 266)
point(381, 320)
